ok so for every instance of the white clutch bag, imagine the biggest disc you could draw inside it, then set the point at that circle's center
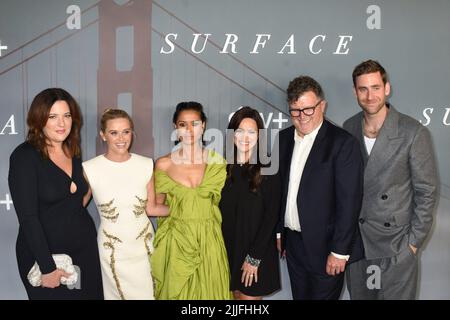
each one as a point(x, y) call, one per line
point(62, 261)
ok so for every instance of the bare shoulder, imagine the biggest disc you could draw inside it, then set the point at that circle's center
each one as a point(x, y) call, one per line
point(163, 163)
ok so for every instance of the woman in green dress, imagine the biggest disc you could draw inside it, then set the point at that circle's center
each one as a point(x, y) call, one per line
point(190, 259)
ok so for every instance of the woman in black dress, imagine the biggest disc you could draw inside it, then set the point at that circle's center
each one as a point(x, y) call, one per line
point(49, 194)
point(249, 206)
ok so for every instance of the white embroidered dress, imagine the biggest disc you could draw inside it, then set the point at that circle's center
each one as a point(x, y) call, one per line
point(125, 233)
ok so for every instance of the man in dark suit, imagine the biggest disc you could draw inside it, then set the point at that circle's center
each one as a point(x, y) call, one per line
point(321, 171)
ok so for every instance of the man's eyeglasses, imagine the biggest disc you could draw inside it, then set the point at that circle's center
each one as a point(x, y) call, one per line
point(308, 111)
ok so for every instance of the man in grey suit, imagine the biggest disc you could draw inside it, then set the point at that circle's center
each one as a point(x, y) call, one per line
point(400, 190)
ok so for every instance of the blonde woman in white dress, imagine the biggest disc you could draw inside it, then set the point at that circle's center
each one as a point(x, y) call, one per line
point(123, 189)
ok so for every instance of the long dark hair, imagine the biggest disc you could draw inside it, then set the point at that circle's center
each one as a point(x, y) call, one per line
point(251, 171)
point(38, 116)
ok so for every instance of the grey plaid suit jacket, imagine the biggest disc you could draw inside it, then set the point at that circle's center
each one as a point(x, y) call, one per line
point(400, 185)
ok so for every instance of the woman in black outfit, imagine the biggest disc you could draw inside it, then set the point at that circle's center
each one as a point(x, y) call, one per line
point(249, 206)
point(48, 190)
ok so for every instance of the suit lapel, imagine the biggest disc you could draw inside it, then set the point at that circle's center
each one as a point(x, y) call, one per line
point(359, 134)
point(287, 153)
point(314, 155)
point(385, 146)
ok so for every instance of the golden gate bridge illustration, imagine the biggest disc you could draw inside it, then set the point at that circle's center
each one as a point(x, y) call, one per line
point(84, 61)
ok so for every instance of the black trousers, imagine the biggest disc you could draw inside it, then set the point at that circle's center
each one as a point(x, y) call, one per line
point(306, 283)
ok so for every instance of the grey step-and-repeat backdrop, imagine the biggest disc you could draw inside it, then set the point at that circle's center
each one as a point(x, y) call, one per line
point(146, 56)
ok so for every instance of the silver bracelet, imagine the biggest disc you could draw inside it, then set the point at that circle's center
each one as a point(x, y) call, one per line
point(252, 261)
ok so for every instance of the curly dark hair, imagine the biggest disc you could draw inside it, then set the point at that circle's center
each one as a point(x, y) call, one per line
point(300, 86)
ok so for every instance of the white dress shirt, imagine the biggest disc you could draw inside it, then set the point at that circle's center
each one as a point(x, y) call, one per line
point(302, 148)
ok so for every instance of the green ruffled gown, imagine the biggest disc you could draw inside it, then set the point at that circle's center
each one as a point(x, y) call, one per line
point(190, 260)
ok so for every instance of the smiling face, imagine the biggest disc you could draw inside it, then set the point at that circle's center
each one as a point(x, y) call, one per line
point(118, 136)
point(59, 123)
point(371, 92)
point(306, 124)
point(189, 127)
point(246, 135)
